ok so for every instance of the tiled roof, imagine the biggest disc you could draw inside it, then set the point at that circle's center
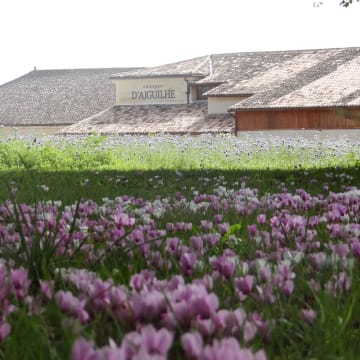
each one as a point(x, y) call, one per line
point(194, 67)
point(333, 82)
point(250, 72)
point(274, 79)
point(141, 119)
point(56, 97)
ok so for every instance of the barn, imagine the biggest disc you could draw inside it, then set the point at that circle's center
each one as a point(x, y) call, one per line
point(299, 89)
point(45, 101)
point(218, 93)
point(326, 96)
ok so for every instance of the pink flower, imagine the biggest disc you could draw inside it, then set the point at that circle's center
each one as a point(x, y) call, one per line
point(204, 305)
point(355, 248)
point(172, 245)
point(5, 329)
point(149, 344)
point(72, 305)
point(192, 344)
point(46, 288)
point(144, 278)
point(197, 244)
point(284, 279)
point(225, 265)
point(206, 225)
point(83, 350)
point(121, 219)
point(250, 331)
point(223, 227)
point(218, 218)
point(20, 282)
point(158, 342)
point(245, 284)
point(287, 288)
point(229, 349)
point(261, 219)
point(149, 305)
point(253, 231)
point(308, 315)
point(187, 262)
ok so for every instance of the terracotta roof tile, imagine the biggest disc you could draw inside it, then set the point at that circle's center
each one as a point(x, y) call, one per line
point(331, 83)
point(56, 97)
point(194, 67)
point(259, 70)
point(186, 118)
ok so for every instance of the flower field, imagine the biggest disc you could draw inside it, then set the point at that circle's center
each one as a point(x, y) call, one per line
point(180, 248)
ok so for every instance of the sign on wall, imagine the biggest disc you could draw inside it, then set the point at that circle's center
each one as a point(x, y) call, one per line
point(153, 92)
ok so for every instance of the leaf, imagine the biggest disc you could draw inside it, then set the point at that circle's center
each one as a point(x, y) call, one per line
point(233, 229)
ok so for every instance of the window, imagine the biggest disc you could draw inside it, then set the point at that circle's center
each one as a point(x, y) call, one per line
point(201, 90)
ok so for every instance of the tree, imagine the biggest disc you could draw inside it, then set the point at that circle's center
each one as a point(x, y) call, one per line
point(346, 3)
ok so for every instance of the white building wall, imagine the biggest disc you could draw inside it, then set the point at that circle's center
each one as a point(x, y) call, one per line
point(221, 104)
point(150, 91)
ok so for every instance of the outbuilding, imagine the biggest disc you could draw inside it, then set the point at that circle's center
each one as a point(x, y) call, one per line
point(299, 89)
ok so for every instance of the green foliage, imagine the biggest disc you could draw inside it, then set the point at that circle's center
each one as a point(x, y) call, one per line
point(347, 3)
point(91, 170)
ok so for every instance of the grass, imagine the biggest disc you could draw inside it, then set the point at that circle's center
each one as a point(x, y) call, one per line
point(145, 166)
point(140, 215)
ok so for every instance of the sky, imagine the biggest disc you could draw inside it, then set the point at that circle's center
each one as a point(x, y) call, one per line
point(65, 34)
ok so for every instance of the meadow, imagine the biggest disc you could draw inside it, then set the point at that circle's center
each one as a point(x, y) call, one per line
point(169, 247)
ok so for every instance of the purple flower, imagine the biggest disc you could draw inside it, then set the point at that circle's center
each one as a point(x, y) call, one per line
point(197, 244)
point(355, 248)
point(46, 288)
point(284, 279)
point(318, 260)
point(83, 350)
point(20, 282)
point(192, 344)
point(225, 265)
point(187, 262)
point(308, 315)
point(148, 344)
point(250, 331)
point(204, 305)
point(144, 278)
point(229, 349)
point(261, 219)
point(245, 284)
point(158, 342)
point(223, 227)
point(72, 305)
point(287, 288)
point(121, 219)
point(149, 305)
point(206, 225)
point(274, 222)
point(172, 245)
point(253, 231)
point(5, 329)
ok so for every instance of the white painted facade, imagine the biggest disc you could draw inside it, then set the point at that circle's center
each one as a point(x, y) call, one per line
point(221, 104)
point(151, 91)
point(167, 90)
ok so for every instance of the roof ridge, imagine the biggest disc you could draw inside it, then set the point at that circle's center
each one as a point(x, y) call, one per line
point(287, 51)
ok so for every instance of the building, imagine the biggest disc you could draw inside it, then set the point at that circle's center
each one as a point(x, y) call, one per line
point(228, 93)
point(48, 100)
point(325, 95)
point(163, 99)
point(302, 89)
